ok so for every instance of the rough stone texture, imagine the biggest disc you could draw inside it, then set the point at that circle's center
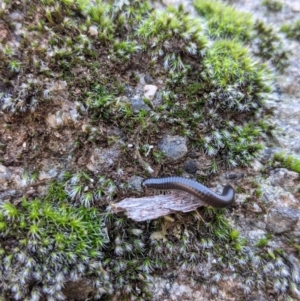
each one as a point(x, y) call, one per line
point(283, 177)
point(138, 104)
point(281, 220)
point(254, 207)
point(48, 174)
point(68, 116)
point(191, 166)
point(296, 232)
point(174, 147)
point(7, 195)
point(255, 235)
point(93, 30)
point(296, 146)
point(11, 177)
point(135, 183)
point(148, 79)
point(103, 158)
point(150, 91)
point(4, 174)
point(275, 195)
point(79, 290)
point(157, 101)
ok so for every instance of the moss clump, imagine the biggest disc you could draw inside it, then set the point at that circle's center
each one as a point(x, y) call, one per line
point(292, 30)
point(273, 5)
point(166, 31)
point(46, 243)
point(230, 84)
point(229, 63)
point(269, 46)
point(224, 21)
point(85, 190)
point(288, 161)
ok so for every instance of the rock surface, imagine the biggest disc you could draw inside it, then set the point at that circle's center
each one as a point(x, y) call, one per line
point(58, 136)
point(281, 220)
point(174, 147)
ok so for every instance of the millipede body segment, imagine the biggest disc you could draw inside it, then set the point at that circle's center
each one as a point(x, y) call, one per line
point(198, 190)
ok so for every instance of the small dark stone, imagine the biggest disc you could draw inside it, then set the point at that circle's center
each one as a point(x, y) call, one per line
point(190, 166)
point(193, 155)
point(235, 176)
point(148, 79)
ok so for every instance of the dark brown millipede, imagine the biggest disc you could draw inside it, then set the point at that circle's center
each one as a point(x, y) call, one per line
point(198, 190)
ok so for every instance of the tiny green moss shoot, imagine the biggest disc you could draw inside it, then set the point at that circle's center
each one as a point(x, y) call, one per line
point(288, 161)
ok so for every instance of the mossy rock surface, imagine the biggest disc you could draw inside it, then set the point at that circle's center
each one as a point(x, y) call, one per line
point(71, 71)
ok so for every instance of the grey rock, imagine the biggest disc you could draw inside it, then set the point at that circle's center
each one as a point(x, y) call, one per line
point(103, 159)
point(129, 92)
point(281, 220)
point(4, 174)
point(150, 91)
point(7, 194)
point(135, 183)
point(296, 232)
point(16, 16)
point(256, 165)
point(61, 118)
point(274, 196)
point(283, 177)
point(253, 207)
point(138, 104)
point(255, 235)
point(114, 131)
point(16, 177)
point(191, 166)
point(148, 79)
point(48, 174)
point(296, 146)
point(267, 153)
point(174, 147)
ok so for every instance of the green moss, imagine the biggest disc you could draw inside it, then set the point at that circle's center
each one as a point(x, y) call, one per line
point(273, 5)
point(288, 161)
point(50, 239)
point(269, 45)
point(224, 21)
point(263, 241)
point(173, 25)
point(231, 64)
point(292, 30)
point(258, 192)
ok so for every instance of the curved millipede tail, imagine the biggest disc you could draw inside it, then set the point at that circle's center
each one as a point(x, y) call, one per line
point(198, 190)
